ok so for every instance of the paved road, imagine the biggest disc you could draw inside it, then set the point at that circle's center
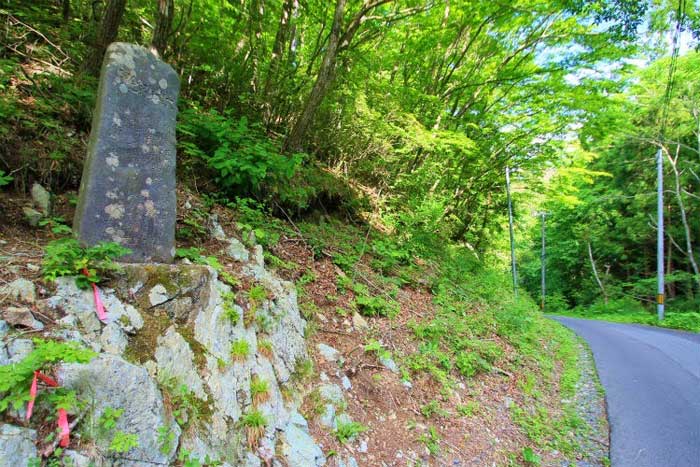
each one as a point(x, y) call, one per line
point(651, 378)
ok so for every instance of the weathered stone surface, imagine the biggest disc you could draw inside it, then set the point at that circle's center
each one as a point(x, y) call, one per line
point(389, 364)
point(358, 322)
point(17, 447)
point(22, 316)
point(110, 381)
point(32, 216)
point(113, 339)
point(331, 393)
point(20, 289)
point(41, 198)
point(298, 447)
point(237, 250)
point(328, 352)
point(18, 349)
point(127, 192)
point(175, 359)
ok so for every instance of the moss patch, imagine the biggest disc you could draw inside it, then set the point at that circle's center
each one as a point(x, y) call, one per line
point(142, 346)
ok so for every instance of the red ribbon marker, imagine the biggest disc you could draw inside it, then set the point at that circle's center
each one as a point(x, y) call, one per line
point(101, 314)
point(62, 415)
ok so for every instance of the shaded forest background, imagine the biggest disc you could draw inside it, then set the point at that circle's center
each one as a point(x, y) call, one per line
point(401, 113)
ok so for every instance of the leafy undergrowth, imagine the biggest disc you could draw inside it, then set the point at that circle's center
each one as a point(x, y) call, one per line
point(687, 321)
point(480, 377)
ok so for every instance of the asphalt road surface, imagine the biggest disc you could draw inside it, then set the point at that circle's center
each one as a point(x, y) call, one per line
point(651, 378)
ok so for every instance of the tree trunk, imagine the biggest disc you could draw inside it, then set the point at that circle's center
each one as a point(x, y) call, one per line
point(281, 39)
point(66, 10)
point(106, 34)
point(164, 24)
point(323, 81)
point(595, 274)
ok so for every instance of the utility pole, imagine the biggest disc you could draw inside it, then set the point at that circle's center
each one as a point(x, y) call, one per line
point(543, 267)
point(513, 268)
point(660, 235)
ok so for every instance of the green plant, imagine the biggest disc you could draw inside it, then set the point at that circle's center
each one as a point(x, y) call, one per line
point(433, 408)
point(16, 378)
point(374, 346)
point(193, 254)
point(344, 432)
point(186, 407)
point(65, 257)
point(5, 179)
point(256, 295)
point(166, 438)
point(123, 442)
point(431, 440)
point(530, 457)
point(468, 409)
point(108, 419)
point(228, 306)
point(265, 348)
point(259, 390)
point(254, 423)
point(57, 224)
point(240, 349)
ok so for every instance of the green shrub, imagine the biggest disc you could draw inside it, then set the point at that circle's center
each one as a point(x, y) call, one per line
point(4, 178)
point(240, 349)
point(254, 423)
point(65, 257)
point(344, 432)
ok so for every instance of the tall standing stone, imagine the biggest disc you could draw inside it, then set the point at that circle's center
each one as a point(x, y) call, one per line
point(127, 193)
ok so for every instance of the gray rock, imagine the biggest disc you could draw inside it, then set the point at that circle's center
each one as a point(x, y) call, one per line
point(215, 229)
point(78, 459)
point(17, 446)
point(348, 462)
point(389, 364)
point(4, 328)
point(259, 255)
point(120, 384)
point(327, 418)
point(4, 356)
point(21, 316)
point(331, 393)
point(343, 419)
point(175, 359)
point(20, 289)
point(358, 322)
point(158, 295)
point(127, 192)
point(32, 216)
point(41, 198)
point(113, 340)
point(328, 353)
point(237, 250)
point(363, 448)
point(345, 381)
point(299, 449)
point(18, 349)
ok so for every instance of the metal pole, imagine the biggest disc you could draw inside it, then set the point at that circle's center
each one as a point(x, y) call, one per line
point(543, 262)
point(660, 235)
point(512, 237)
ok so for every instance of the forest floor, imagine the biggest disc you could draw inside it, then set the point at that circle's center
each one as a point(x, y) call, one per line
point(522, 407)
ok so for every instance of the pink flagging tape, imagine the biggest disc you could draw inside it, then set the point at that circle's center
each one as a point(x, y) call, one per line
point(63, 426)
point(99, 307)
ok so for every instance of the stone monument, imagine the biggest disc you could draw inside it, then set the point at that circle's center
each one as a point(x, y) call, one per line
point(127, 193)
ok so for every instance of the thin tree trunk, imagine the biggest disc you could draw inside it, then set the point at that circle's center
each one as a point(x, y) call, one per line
point(595, 273)
point(281, 39)
point(684, 219)
point(66, 10)
point(106, 34)
point(164, 24)
point(322, 84)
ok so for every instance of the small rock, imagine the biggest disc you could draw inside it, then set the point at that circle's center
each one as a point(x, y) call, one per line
point(187, 205)
point(329, 353)
point(20, 289)
point(237, 250)
point(359, 322)
point(349, 462)
point(77, 459)
point(345, 381)
point(41, 198)
point(343, 419)
point(327, 418)
point(331, 393)
point(33, 267)
point(407, 384)
point(32, 216)
point(4, 328)
point(324, 377)
point(259, 256)
point(215, 229)
point(158, 295)
point(363, 446)
point(17, 445)
point(18, 349)
point(21, 316)
point(113, 339)
point(68, 321)
point(299, 449)
point(389, 364)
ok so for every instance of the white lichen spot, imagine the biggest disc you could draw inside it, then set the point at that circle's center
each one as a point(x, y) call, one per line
point(123, 88)
point(149, 180)
point(112, 160)
point(163, 83)
point(151, 80)
point(145, 148)
point(117, 235)
point(127, 112)
point(111, 194)
point(150, 208)
point(115, 210)
point(145, 193)
point(155, 99)
point(152, 131)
